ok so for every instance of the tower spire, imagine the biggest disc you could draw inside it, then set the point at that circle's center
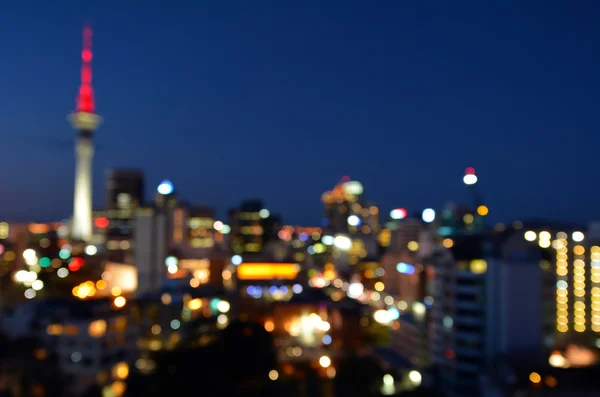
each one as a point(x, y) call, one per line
point(85, 99)
point(85, 121)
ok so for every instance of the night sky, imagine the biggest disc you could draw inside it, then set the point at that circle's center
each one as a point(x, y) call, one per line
point(280, 99)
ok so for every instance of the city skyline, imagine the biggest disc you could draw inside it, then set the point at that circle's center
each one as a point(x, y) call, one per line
point(344, 91)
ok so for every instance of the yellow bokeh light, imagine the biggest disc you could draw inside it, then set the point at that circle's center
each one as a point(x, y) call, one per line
point(468, 219)
point(530, 235)
point(448, 243)
point(195, 304)
point(119, 301)
point(482, 210)
point(535, 377)
point(269, 326)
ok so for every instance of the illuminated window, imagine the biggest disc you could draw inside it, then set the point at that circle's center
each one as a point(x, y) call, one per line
point(54, 329)
point(478, 266)
point(70, 330)
point(97, 329)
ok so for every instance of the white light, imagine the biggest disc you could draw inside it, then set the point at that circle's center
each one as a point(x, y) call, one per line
point(470, 179)
point(342, 242)
point(415, 377)
point(91, 250)
point(172, 269)
point(382, 316)
point(264, 213)
point(37, 285)
point(236, 260)
point(29, 254)
point(353, 187)
point(353, 220)
point(530, 235)
point(561, 284)
point(223, 306)
point(222, 319)
point(20, 276)
point(225, 229)
point(428, 215)
point(218, 226)
point(62, 272)
point(388, 379)
point(325, 361)
point(355, 290)
point(399, 213)
point(30, 277)
point(165, 187)
point(30, 293)
point(297, 288)
point(327, 240)
point(577, 236)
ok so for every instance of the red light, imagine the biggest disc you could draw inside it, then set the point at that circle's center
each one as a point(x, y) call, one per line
point(101, 223)
point(86, 55)
point(449, 354)
point(470, 171)
point(402, 212)
point(75, 264)
point(346, 179)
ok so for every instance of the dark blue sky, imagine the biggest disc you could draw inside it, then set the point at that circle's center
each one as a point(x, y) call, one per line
point(280, 99)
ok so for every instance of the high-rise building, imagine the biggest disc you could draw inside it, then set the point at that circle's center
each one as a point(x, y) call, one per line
point(151, 247)
point(124, 189)
point(352, 223)
point(252, 226)
point(489, 299)
point(576, 263)
point(85, 121)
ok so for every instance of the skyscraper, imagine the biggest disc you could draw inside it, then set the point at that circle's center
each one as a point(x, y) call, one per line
point(85, 121)
point(124, 189)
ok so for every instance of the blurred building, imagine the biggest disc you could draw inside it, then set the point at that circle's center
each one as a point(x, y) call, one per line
point(151, 242)
point(124, 189)
point(94, 344)
point(352, 223)
point(252, 227)
point(575, 259)
point(489, 298)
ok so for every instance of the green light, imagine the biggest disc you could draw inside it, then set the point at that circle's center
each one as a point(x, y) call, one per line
point(45, 262)
point(64, 253)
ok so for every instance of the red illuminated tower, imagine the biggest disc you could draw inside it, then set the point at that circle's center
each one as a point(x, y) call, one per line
point(85, 121)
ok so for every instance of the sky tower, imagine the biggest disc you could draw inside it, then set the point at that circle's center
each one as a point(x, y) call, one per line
point(85, 121)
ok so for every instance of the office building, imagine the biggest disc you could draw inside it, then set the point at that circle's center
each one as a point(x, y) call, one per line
point(489, 299)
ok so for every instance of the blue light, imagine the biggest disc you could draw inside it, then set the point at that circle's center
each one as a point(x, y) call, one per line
point(165, 187)
point(251, 290)
point(326, 339)
point(405, 268)
point(273, 290)
point(394, 313)
point(236, 260)
point(327, 240)
point(297, 288)
point(445, 231)
point(283, 289)
point(310, 250)
point(303, 236)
